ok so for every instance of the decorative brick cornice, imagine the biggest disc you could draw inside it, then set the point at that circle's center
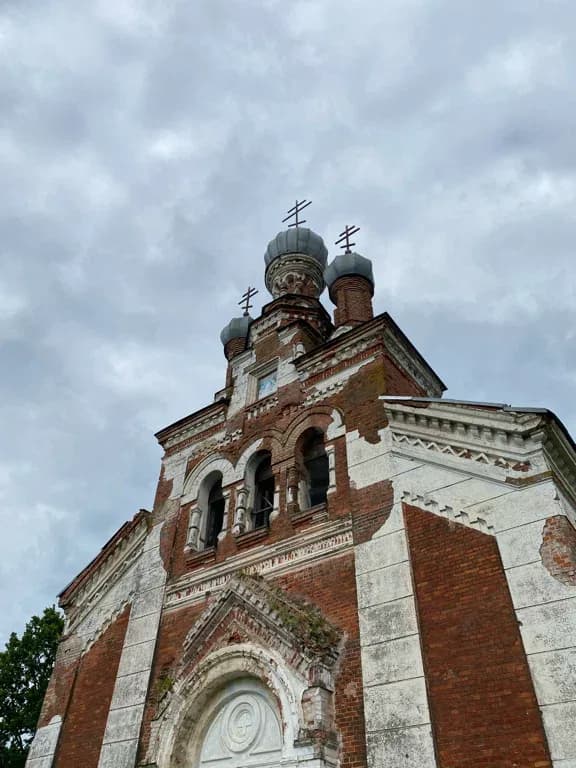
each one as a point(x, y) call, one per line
point(470, 518)
point(404, 355)
point(457, 451)
point(560, 454)
point(382, 330)
point(316, 543)
point(108, 566)
point(517, 446)
point(493, 439)
point(261, 407)
point(214, 441)
point(201, 421)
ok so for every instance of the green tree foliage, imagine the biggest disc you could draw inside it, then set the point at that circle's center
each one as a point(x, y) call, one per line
point(25, 668)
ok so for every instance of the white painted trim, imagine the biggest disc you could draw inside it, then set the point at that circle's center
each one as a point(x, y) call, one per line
point(121, 736)
point(43, 748)
point(397, 715)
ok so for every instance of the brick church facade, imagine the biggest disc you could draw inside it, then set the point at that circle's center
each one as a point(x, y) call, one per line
point(341, 568)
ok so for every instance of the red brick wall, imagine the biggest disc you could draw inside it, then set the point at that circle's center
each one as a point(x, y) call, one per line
point(371, 507)
point(174, 626)
point(84, 724)
point(558, 549)
point(234, 347)
point(163, 491)
point(59, 688)
point(352, 295)
point(483, 707)
point(332, 587)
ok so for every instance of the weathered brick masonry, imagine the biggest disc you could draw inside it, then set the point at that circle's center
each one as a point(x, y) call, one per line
point(483, 706)
point(92, 689)
point(340, 569)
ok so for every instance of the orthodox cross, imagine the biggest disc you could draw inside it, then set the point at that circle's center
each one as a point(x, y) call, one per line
point(295, 210)
point(245, 300)
point(344, 237)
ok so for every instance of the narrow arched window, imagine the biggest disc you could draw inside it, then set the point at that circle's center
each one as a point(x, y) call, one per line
point(316, 468)
point(215, 514)
point(263, 493)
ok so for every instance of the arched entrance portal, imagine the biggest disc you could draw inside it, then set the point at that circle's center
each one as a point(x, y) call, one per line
point(243, 728)
point(243, 704)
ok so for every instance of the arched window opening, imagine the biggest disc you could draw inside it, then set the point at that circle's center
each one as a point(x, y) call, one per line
point(263, 493)
point(316, 468)
point(215, 515)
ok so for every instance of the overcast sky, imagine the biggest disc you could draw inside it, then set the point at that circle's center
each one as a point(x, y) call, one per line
point(148, 150)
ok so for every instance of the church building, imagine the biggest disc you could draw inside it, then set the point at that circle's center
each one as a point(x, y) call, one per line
point(342, 568)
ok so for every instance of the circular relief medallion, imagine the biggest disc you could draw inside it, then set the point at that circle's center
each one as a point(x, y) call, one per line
point(242, 724)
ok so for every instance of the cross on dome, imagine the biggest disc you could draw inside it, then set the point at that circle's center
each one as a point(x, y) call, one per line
point(344, 237)
point(295, 211)
point(245, 300)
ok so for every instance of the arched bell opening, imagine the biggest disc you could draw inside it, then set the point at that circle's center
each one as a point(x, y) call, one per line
point(314, 467)
point(214, 513)
point(263, 492)
point(256, 502)
point(208, 518)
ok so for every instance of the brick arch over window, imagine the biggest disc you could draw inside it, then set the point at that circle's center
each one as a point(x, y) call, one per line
point(204, 487)
point(257, 495)
point(325, 424)
point(269, 440)
point(194, 480)
point(322, 417)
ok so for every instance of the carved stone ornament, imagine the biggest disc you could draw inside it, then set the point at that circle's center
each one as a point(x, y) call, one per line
point(245, 730)
point(295, 273)
point(254, 687)
point(267, 613)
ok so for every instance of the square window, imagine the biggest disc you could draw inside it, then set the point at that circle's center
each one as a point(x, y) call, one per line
point(266, 385)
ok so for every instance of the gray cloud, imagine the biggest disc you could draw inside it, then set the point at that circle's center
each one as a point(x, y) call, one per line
point(147, 151)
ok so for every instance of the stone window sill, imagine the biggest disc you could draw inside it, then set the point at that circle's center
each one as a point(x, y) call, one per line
point(314, 514)
point(194, 557)
point(250, 537)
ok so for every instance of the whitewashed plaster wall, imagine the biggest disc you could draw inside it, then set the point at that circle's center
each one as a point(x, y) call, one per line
point(545, 608)
point(43, 747)
point(107, 608)
point(120, 743)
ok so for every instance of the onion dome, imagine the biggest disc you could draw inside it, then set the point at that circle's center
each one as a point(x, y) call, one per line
point(297, 240)
point(295, 262)
point(349, 264)
point(351, 286)
point(237, 328)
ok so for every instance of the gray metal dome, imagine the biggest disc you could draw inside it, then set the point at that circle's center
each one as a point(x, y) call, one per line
point(297, 240)
point(348, 264)
point(237, 328)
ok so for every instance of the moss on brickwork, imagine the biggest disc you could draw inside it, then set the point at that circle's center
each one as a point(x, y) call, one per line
point(302, 619)
point(163, 685)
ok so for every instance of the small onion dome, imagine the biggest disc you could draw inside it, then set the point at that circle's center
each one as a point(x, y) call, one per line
point(348, 264)
point(237, 328)
point(297, 240)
